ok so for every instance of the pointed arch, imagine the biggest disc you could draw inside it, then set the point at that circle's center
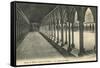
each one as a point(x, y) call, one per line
point(89, 16)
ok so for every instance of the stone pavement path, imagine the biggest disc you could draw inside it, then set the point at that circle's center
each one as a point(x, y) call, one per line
point(34, 46)
point(34, 49)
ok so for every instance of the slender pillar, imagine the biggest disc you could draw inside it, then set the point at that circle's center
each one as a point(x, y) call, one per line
point(57, 31)
point(69, 47)
point(62, 39)
point(81, 38)
point(54, 29)
point(93, 27)
point(66, 33)
point(58, 27)
point(49, 29)
point(90, 27)
point(73, 45)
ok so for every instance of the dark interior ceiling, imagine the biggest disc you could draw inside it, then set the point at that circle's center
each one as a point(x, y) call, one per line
point(35, 12)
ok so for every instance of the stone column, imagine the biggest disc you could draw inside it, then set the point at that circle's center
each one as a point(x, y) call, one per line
point(57, 31)
point(81, 38)
point(54, 29)
point(66, 32)
point(69, 47)
point(73, 45)
point(62, 39)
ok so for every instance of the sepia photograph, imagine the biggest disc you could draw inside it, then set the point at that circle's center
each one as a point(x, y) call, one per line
point(47, 33)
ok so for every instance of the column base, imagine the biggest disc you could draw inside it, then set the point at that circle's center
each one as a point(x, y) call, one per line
point(82, 52)
point(57, 42)
point(73, 45)
point(62, 45)
point(69, 49)
point(65, 42)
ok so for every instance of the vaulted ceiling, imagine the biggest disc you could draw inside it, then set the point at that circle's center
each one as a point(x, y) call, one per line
point(35, 12)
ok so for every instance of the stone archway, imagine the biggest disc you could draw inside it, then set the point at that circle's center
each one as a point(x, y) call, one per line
point(89, 25)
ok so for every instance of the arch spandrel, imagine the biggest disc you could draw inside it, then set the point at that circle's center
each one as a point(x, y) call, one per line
point(69, 10)
point(72, 15)
point(89, 16)
point(94, 12)
point(82, 10)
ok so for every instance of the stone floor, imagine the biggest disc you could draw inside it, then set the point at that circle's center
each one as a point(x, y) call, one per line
point(34, 49)
point(34, 46)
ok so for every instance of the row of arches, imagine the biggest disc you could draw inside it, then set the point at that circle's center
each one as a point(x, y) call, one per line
point(61, 23)
point(22, 26)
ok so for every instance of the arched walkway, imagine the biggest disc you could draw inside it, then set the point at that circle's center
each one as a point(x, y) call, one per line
point(68, 25)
